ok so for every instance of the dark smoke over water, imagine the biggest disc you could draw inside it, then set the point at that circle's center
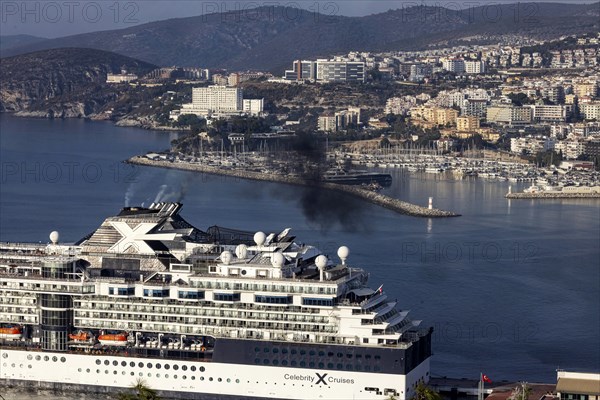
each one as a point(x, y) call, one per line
point(322, 207)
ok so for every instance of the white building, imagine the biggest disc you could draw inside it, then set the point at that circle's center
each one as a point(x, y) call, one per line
point(590, 111)
point(120, 78)
point(549, 113)
point(474, 67)
point(217, 99)
point(253, 107)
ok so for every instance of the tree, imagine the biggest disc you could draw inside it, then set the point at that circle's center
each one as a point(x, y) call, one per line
point(424, 392)
point(141, 392)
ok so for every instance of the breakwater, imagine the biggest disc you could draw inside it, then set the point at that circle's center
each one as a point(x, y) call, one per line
point(390, 203)
point(553, 195)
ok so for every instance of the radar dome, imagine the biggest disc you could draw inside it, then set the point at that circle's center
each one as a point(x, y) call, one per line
point(226, 257)
point(241, 251)
point(259, 238)
point(343, 253)
point(321, 261)
point(277, 260)
point(54, 237)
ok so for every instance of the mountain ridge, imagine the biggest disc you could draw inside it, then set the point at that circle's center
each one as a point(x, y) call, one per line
point(270, 38)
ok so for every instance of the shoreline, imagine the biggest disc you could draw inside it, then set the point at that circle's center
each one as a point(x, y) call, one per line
point(552, 195)
point(396, 205)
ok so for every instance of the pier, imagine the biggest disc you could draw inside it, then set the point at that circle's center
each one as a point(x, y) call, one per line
point(390, 203)
point(553, 195)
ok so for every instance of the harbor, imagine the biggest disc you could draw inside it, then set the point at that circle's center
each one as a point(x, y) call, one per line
point(396, 205)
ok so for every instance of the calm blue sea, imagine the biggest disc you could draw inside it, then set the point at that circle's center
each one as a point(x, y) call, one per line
point(512, 288)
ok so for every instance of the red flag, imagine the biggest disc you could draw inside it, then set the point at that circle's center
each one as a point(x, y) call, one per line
point(486, 379)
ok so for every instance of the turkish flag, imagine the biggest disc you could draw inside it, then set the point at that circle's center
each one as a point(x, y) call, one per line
point(486, 379)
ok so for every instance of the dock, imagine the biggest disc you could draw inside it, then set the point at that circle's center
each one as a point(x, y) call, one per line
point(390, 203)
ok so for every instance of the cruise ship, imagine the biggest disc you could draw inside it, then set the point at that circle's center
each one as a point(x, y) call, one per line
point(215, 314)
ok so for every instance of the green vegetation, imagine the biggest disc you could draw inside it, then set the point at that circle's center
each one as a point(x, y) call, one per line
point(424, 392)
point(140, 392)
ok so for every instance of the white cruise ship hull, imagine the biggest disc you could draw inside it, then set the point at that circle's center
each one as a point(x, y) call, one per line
point(210, 378)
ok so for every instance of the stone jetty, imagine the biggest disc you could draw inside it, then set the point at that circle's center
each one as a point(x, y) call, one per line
point(553, 195)
point(399, 206)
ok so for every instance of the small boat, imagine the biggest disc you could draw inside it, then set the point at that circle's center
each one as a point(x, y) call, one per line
point(113, 339)
point(80, 336)
point(11, 332)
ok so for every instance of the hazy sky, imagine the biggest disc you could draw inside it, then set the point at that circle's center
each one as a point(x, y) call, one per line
point(66, 17)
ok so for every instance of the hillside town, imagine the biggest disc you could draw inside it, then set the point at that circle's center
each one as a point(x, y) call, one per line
point(521, 102)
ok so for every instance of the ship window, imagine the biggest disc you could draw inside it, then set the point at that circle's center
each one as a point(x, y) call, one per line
point(202, 369)
point(367, 356)
point(256, 349)
point(106, 371)
point(265, 361)
point(317, 302)
point(226, 297)
point(193, 378)
point(193, 295)
point(132, 364)
point(141, 365)
point(132, 374)
point(378, 357)
point(115, 363)
point(157, 366)
point(312, 352)
point(273, 299)
point(284, 351)
point(275, 350)
point(184, 367)
point(284, 362)
point(201, 378)
point(184, 377)
point(106, 362)
point(98, 362)
point(38, 358)
point(321, 365)
point(167, 366)
point(175, 367)
point(210, 379)
point(294, 363)
point(330, 354)
point(115, 372)
point(192, 368)
point(220, 380)
point(111, 291)
point(29, 357)
point(55, 359)
point(166, 375)
point(149, 365)
point(275, 362)
point(348, 367)
point(123, 363)
point(322, 353)
point(311, 364)
point(266, 349)
point(257, 361)
point(302, 352)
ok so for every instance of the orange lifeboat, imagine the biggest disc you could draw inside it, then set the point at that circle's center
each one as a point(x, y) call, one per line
point(11, 332)
point(113, 339)
point(79, 336)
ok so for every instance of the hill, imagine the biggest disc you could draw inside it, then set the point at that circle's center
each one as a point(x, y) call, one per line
point(269, 38)
point(56, 80)
point(12, 41)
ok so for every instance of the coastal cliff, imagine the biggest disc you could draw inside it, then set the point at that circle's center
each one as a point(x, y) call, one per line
point(62, 83)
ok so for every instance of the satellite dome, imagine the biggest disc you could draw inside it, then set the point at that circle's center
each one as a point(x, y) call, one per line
point(241, 251)
point(343, 253)
point(54, 237)
point(277, 260)
point(321, 261)
point(226, 257)
point(259, 238)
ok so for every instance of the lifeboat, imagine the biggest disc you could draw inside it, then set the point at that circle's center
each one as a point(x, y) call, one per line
point(113, 339)
point(79, 337)
point(11, 332)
